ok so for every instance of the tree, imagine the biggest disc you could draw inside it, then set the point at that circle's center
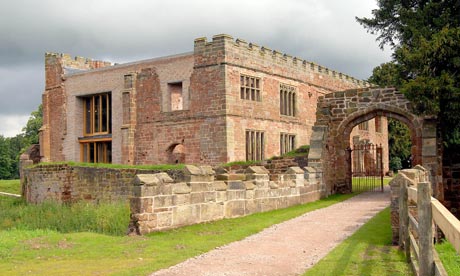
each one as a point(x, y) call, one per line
point(5, 159)
point(424, 35)
point(35, 122)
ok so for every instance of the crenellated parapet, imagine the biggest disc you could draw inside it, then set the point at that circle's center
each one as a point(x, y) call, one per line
point(225, 49)
point(70, 63)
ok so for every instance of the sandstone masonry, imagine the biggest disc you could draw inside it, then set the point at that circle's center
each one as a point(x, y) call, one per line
point(204, 195)
point(227, 100)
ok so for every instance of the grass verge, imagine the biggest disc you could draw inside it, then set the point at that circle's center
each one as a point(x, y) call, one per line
point(163, 167)
point(48, 252)
point(367, 252)
point(449, 257)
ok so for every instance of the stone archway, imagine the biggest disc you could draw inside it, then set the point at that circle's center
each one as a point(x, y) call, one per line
point(339, 112)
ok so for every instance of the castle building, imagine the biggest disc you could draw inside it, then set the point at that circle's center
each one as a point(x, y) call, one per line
point(228, 100)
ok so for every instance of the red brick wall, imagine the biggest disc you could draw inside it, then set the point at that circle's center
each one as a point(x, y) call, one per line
point(211, 127)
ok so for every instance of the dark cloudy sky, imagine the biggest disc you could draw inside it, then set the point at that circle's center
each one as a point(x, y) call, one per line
point(323, 31)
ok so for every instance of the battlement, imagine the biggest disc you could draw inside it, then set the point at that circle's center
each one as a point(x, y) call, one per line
point(224, 42)
point(71, 64)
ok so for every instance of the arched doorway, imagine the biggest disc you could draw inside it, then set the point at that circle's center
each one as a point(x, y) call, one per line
point(342, 141)
point(176, 153)
point(339, 112)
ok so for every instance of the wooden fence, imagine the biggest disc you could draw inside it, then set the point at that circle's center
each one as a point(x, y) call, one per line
point(418, 214)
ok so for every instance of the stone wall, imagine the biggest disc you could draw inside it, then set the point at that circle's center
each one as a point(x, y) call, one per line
point(204, 195)
point(410, 177)
point(65, 183)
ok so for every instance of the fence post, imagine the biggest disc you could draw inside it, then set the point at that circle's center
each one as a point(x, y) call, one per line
point(404, 240)
point(425, 229)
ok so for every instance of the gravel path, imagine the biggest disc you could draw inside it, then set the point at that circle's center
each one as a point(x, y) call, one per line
point(288, 248)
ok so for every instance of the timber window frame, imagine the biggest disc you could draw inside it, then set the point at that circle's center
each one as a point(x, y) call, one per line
point(97, 117)
point(250, 88)
point(287, 143)
point(96, 151)
point(255, 145)
point(288, 100)
point(96, 143)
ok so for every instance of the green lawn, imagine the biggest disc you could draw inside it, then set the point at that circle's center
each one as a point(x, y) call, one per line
point(10, 186)
point(367, 252)
point(34, 249)
point(449, 257)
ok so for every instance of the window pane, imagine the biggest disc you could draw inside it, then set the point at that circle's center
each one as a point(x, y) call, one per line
point(91, 152)
point(104, 113)
point(87, 116)
point(97, 107)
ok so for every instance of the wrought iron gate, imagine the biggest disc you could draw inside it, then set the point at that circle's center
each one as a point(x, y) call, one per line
point(366, 167)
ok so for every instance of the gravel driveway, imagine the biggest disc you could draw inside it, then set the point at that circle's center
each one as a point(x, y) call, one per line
point(288, 248)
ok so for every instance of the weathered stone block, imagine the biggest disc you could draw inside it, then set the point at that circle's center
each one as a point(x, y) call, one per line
point(221, 196)
point(258, 177)
point(181, 199)
point(212, 211)
point(198, 174)
point(250, 194)
point(181, 188)
point(249, 185)
point(146, 179)
point(274, 193)
point(256, 170)
point(201, 186)
point(234, 208)
point(210, 196)
point(293, 200)
point(268, 204)
point(261, 193)
point(273, 185)
point(236, 194)
point(164, 219)
point(220, 186)
point(236, 185)
point(294, 170)
point(162, 201)
point(252, 206)
point(262, 184)
point(197, 198)
point(164, 189)
point(185, 215)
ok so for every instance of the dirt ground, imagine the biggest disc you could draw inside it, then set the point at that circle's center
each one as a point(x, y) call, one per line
point(288, 248)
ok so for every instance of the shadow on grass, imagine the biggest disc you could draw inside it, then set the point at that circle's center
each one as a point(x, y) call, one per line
point(367, 252)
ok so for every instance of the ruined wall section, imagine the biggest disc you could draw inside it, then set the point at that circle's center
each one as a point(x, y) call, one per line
point(203, 195)
point(137, 109)
point(66, 184)
point(54, 129)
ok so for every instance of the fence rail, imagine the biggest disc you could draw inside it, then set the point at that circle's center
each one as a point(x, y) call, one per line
point(418, 211)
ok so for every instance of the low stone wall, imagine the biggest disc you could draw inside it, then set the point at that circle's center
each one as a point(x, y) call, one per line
point(410, 177)
point(204, 195)
point(65, 183)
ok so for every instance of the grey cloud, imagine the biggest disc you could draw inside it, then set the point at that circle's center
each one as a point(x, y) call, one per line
point(120, 31)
